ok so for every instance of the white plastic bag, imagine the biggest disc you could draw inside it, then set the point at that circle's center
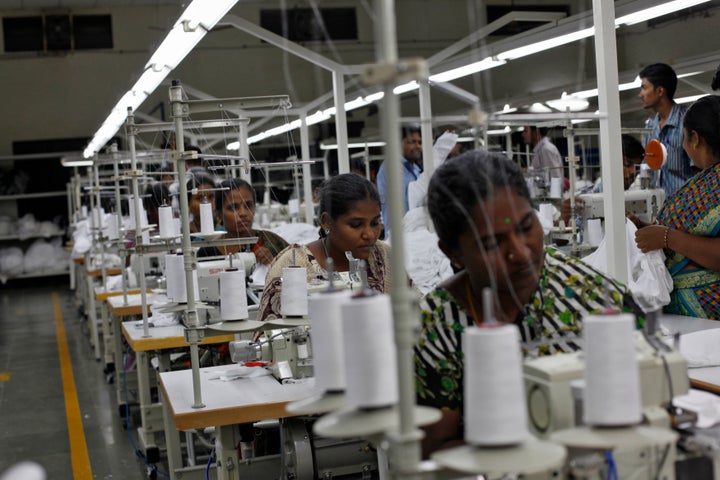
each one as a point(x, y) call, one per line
point(648, 278)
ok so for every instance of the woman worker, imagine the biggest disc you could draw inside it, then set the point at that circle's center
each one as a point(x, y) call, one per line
point(236, 207)
point(204, 184)
point(350, 221)
point(688, 224)
point(482, 212)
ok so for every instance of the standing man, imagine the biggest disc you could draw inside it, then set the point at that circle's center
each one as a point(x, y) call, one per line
point(411, 157)
point(545, 154)
point(657, 88)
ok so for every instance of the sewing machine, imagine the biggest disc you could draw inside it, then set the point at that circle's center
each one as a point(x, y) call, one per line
point(209, 273)
point(554, 395)
point(643, 203)
point(554, 390)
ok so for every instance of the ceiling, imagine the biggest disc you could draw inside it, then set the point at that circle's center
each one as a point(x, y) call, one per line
point(228, 61)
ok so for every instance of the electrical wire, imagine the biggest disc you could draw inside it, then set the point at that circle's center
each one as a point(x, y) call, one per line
point(207, 467)
point(612, 473)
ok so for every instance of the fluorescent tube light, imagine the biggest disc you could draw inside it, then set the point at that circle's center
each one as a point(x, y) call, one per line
point(538, 107)
point(568, 103)
point(507, 109)
point(501, 59)
point(334, 146)
point(690, 99)
point(656, 11)
point(76, 162)
point(405, 87)
point(466, 70)
point(197, 19)
point(546, 44)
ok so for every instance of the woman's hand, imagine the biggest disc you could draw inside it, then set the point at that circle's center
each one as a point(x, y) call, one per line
point(650, 238)
point(263, 255)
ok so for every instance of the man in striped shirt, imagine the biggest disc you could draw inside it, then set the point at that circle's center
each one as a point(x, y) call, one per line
point(657, 89)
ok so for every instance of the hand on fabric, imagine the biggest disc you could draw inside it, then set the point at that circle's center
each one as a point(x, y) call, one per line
point(637, 221)
point(263, 255)
point(650, 238)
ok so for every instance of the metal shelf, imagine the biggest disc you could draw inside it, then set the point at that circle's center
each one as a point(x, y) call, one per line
point(59, 233)
point(5, 278)
point(23, 196)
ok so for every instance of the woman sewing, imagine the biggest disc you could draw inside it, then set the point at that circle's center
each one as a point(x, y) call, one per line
point(236, 201)
point(350, 221)
point(482, 212)
point(688, 224)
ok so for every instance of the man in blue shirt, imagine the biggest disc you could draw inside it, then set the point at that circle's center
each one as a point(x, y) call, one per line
point(657, 88)
point(412, 154)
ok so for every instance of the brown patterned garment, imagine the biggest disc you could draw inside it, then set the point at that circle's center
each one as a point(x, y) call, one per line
point(378, 274)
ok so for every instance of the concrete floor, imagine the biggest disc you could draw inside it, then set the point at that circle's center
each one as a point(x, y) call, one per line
point(33, 419)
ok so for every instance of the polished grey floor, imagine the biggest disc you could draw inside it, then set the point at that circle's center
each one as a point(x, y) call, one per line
point(33, 424)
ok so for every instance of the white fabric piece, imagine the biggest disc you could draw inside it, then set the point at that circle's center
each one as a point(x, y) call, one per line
point(111, 260)
point(301, 233)
point(425, 263)
point(239, 372)
point(11, 261)
point(545, 222)
point(700, 348)
point(705, 404)
point(259, 274)
point(81, 239)
point(417, 190)
point(648, 278)
point(44, 256)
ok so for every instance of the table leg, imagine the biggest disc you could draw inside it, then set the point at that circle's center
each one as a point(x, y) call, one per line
point(226, 453)
point(92, 318)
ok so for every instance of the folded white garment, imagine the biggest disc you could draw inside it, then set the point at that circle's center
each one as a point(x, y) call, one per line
point(239, 372)
point(705, 404)
point(700, 348)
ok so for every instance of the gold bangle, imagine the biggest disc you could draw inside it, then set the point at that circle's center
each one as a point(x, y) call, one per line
point(665, 238)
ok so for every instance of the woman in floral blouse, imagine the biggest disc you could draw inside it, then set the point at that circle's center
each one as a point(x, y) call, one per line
point(482, 212)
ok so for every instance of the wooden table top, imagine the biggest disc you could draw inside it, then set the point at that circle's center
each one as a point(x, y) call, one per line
point(243, 400)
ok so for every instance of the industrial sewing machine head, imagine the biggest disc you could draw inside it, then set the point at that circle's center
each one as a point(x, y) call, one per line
point(644, 204)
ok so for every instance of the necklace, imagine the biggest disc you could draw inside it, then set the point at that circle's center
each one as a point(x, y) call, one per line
point(471, 303)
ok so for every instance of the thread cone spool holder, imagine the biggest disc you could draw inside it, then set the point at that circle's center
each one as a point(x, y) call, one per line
point(529, 457)
point(655, 154)
point(209, 235)
point(613, 438)
point(362, 423)
point(323, 403)
point(237, 326)
point(288, 322)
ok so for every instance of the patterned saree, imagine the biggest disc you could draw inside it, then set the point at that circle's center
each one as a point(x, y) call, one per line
point(694, 208)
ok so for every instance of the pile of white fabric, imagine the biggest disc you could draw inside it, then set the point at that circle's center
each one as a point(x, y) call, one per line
point(45, 257)
point(302, 233)
point(425, 263)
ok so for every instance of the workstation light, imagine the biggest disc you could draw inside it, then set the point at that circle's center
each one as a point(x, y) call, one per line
point(200, 17)
point(76, 162)
point(197, 19)
point(333, 146)
point(656, 11)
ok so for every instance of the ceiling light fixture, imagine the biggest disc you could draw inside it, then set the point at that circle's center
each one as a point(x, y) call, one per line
point(568, 103)
point(197, 19)
point(331, 146)
point(512, 54)
point(690, 99)
point(466, 70)
point(656, 11)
